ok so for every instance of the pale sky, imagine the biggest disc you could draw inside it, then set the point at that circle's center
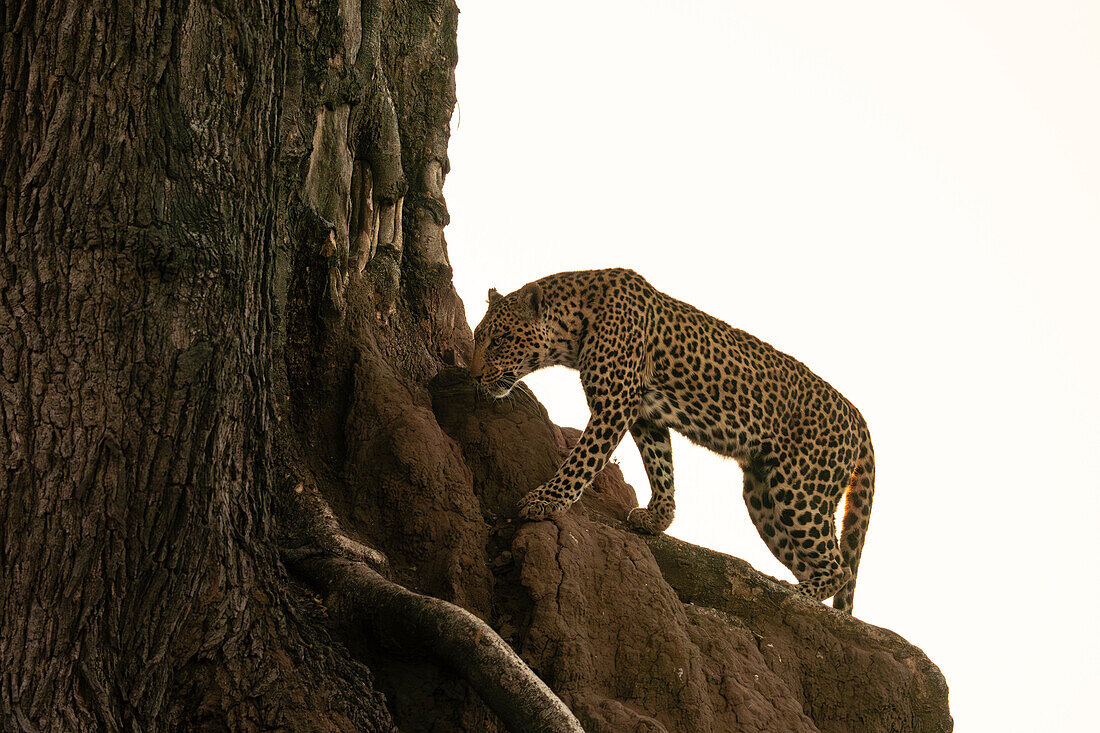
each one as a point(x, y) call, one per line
point(904, 197)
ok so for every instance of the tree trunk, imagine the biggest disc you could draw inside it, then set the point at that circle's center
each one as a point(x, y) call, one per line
point(144, 187)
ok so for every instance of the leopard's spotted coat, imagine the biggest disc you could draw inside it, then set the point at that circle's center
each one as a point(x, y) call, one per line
point(650, 363)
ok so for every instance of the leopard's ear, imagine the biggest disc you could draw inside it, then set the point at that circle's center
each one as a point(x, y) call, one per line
point(530, 297)
point(494, 296)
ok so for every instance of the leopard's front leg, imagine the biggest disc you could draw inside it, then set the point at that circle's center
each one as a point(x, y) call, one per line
point(605, 429)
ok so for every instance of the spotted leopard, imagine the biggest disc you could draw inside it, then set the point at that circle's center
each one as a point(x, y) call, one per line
point(650, 363)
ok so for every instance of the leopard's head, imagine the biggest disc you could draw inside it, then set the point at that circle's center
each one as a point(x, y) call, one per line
point(510, 342)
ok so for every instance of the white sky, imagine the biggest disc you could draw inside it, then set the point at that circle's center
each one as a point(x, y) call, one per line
point(903, 196)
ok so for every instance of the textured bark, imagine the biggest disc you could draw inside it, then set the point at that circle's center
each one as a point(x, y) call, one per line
point(224, 286)
point(141, 205)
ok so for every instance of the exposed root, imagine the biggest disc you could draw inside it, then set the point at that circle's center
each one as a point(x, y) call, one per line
point(320, 533)
point(361, 598)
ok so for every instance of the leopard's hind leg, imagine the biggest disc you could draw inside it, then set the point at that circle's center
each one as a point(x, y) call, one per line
point(656, 451)
point(795, 520)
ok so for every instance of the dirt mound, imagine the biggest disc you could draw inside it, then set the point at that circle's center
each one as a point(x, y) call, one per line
point(633, 633)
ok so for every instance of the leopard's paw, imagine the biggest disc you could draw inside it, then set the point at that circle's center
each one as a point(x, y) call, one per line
point(649, 521)
point(537, 505)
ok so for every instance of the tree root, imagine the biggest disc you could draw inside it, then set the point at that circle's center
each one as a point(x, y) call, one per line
point(361, 598)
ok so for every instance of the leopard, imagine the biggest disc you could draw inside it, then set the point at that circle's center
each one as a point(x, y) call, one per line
point(650, 364)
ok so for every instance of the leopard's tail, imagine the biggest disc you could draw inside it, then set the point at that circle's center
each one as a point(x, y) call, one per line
point(857, 514)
